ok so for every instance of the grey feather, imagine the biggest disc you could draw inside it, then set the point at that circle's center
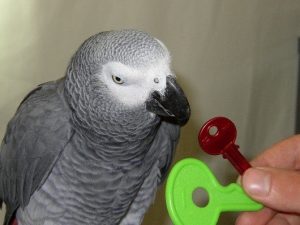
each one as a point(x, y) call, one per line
point(161, 152)
point(35, 137)
point(167, 141)
point(73, 154)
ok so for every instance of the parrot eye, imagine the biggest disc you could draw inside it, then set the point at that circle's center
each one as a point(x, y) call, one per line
point(117, 80)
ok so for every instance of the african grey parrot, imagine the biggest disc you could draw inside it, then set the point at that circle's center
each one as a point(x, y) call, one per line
point(92, 147)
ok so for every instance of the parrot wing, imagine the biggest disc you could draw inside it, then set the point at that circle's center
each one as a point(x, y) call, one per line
point(34, 139)
point(166, 141)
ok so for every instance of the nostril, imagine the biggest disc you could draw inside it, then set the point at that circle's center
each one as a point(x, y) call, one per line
point(156, 80)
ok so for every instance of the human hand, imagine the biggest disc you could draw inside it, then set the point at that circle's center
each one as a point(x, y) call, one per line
point(274, 181)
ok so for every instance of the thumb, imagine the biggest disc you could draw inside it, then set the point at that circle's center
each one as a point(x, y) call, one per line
point(278, 189)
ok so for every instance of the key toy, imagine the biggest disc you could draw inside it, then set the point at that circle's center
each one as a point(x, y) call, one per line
point(217, 136)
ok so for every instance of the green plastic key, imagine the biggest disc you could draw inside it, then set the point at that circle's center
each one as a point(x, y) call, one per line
point(191, 174)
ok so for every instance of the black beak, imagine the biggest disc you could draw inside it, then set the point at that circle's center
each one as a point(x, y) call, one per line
point(173, 105)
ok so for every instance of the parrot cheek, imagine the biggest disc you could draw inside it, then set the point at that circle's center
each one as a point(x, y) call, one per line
point(131, 97)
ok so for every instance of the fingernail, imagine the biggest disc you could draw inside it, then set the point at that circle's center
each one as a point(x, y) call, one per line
point(239, 180)
point(257, 182)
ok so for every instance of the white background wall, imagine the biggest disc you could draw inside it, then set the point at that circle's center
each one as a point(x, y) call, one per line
point(233, 58)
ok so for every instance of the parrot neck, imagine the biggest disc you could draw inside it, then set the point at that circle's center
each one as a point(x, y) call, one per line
point(121, 136)
point(116, 145)
point(110, 129)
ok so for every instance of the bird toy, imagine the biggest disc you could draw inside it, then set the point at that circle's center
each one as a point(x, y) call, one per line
point(217, 136)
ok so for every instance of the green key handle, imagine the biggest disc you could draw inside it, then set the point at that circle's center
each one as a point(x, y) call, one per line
point(191, 174)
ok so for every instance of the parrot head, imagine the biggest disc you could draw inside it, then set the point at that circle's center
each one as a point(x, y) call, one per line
point(126, 71)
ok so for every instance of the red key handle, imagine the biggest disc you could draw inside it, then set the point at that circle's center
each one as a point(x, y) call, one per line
point(217, 136)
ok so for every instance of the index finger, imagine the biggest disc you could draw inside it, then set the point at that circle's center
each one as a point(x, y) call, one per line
point(283, 155)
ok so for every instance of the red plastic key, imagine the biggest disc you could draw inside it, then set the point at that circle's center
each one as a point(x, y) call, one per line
point(217, 136)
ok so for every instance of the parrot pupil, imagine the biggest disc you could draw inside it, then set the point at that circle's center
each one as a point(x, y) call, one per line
point(117, 80)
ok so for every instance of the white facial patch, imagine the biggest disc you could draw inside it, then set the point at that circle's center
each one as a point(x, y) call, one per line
point(132, 86)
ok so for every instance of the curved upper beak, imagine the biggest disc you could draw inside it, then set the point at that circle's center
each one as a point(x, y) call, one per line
point(172, 104)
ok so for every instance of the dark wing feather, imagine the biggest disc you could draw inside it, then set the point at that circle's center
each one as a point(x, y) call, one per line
point(166, 141)
point(34, 139)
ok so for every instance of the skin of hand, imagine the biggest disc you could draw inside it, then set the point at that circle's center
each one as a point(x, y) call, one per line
point(274, 181)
